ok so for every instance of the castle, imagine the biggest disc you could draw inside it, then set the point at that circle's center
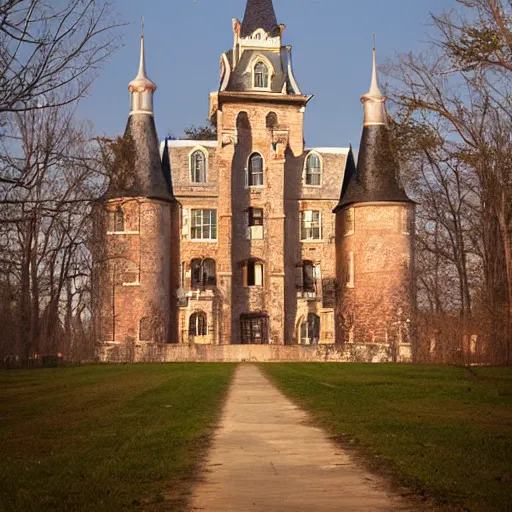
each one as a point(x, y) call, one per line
point(254, 239)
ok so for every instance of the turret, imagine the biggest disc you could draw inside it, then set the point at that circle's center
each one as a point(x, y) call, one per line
point(375, 244)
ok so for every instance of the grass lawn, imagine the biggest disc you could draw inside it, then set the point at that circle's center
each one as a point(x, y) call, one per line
point(106, 438)
point(444, 432)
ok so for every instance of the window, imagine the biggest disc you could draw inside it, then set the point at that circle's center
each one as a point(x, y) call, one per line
point(404, 221)
point(197, 324)
point(349, 270)
point(255, 223)
point(271, 120)
point(203, 273)
point(119, 219)
point(350, 222)
point(198, 167)
point(255, 174)
point(254, 329)
point(253, 273)
point(310, 225)
point(313, 170)
point(260, 76)
point(308, 277)
point(204, 224)
point(310, 330)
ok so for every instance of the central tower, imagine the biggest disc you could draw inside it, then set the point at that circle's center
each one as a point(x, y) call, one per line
point(259, 111)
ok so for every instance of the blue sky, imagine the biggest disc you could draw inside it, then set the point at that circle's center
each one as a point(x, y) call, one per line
point(331, 39)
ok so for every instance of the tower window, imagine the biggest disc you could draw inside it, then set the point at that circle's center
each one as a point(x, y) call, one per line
point(310, 330)
point(310, 225)
point(255, 172)
point(271, 120)
point(198, 167)
point(197, 324)
point(308, 276)
point(254, 329)
point(313, 170)
point(203, 273)
point(260, 76)
point(253, 273)
point(350, 270)
point(350, 222)
point(204, 224)
point(119, 219)
point(255, 222)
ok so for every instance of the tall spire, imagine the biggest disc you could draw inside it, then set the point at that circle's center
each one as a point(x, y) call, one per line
point(258, 14)
point(376, 177)
point(373, 101)
point(141, 87)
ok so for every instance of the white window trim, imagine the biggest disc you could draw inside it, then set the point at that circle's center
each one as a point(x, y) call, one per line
point(312, 240)
point(206, 155)
point(305, 168)
point(270, 69)
point(201, 240)
point(247, 186)
point(123, 232)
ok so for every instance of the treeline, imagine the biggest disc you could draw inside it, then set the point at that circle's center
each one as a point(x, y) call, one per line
point(50, 172)
point(452, 118)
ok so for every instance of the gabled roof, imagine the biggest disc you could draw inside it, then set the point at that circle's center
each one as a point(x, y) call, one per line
point(258, 14)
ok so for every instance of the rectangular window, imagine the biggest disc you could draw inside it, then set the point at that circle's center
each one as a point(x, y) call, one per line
point(254, 329)
point(350, 221)
point(349, 271)
point(253, 274)
point(255, 223)
point(310, 225)
point(204, 224)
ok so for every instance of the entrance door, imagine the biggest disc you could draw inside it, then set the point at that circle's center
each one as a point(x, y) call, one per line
point(254, 329)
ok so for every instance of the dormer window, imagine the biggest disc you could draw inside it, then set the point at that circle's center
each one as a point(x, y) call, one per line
point(198, 167)
point(261, 76)
point(313, 170)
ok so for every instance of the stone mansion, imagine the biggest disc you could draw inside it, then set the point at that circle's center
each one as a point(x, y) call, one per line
point(253, 238)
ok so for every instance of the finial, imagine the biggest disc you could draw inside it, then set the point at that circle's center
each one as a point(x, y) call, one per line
point(142, 26)
point(373, 100)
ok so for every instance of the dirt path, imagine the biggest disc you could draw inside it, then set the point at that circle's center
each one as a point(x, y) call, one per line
point(266, 457)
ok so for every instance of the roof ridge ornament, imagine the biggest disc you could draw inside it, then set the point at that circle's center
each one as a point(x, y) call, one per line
point(373, 101)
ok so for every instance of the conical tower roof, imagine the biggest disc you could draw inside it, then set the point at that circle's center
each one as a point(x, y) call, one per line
point(376, 177)
point(258, 14)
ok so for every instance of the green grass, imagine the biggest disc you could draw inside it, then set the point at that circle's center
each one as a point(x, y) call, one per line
point(106, 438)
point(443, 432)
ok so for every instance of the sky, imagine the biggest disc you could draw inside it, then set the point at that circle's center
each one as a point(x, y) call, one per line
point(332, 42)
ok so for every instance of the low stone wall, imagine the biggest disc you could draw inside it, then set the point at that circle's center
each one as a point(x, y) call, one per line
point(153, 353)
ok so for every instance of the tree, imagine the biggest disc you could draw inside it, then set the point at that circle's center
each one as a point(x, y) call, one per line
point(205, 132)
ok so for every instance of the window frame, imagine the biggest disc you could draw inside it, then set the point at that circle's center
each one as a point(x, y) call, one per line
point(199, 321)
point(265, 77)
point(248, 331)
point(212, 225)
point(303, 215)
point(310, 326)
point(253, 273)
point(313, 154)
point(205, 279)
point(192, 165)
point(251, 172)
point(308, 281)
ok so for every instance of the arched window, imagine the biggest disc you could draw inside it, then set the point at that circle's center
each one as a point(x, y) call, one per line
point(271, 120)
point(119, 219)
point(198, 167)
point(197, 325)
point(260, 76)
point(255, 172)
point(313, 170)
point(310, 330)
point(203, 273)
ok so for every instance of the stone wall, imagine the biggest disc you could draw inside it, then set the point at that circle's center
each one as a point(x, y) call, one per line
point(152, 353)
